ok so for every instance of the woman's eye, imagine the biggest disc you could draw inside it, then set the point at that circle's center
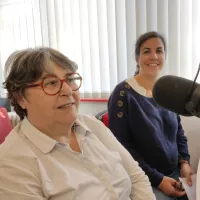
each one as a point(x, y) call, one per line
point(70, 80)
point(159, 51)
point(146, 52)
point(50, 83)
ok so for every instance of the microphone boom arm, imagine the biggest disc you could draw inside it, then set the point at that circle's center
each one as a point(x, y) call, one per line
point(192, 105)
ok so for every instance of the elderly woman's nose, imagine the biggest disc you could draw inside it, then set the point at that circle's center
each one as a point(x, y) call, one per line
point(65, 89)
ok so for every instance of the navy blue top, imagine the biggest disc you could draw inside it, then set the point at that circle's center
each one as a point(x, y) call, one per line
point(152, 134)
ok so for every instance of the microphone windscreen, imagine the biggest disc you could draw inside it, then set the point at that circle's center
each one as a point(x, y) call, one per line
point(171, 92)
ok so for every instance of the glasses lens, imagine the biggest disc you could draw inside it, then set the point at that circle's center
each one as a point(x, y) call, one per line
point(51, 85)
point(74, 81)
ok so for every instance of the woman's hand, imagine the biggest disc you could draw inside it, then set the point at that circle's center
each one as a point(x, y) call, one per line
point(186, 172)
point(171, 187)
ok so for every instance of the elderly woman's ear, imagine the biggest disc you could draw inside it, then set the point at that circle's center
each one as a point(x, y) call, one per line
point(21, 102)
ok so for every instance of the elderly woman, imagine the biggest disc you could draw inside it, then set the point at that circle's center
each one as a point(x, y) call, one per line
point(54, 153)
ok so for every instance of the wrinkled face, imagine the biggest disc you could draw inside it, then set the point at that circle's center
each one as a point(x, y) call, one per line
point(61, 108)
point(152, 57)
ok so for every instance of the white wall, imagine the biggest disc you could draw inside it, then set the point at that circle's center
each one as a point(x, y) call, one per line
point(92, 107)
point(191, 125)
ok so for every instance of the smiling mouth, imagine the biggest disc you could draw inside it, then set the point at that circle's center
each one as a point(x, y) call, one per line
point(65, 105)
point(153, 65)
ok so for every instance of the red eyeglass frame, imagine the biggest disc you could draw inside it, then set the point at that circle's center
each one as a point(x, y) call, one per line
point(61, 80)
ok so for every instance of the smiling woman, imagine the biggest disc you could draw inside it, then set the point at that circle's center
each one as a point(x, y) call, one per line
point(150, 50)
point(54, 152)
point(152, 135)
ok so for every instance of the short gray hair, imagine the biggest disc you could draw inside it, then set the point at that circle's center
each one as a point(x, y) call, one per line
point(27, 66)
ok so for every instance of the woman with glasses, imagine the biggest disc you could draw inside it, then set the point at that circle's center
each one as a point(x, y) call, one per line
point(55, 153)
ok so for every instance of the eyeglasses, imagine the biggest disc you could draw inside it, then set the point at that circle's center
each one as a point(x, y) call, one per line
point(52, 85)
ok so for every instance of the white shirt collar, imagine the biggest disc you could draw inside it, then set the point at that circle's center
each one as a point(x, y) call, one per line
point(134, 84)
point(43, 141)
point(39, 139)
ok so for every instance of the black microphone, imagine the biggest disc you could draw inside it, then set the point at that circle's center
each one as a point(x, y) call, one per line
point(178, 95)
